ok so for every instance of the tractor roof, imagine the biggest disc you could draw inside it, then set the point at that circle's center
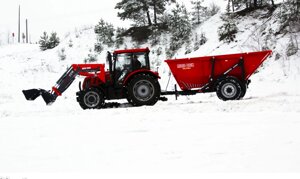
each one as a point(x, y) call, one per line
point(132, 50)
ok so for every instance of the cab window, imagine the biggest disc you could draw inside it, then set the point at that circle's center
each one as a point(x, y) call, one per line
point(123, 61)
point(143, 59)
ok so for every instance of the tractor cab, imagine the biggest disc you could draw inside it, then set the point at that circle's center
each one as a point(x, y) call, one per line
point(124, 62)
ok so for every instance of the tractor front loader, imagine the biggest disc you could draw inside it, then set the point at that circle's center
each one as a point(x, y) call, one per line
point(129, 76)
point(88, 70)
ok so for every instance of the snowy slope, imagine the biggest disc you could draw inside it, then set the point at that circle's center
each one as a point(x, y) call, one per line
point(193, 134)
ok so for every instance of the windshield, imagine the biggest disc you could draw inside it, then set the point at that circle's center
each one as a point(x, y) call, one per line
point(123, 61)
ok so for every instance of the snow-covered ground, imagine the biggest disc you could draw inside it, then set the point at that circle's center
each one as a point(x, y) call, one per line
point(193, 134)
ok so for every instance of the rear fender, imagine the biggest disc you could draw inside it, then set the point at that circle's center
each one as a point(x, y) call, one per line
point(142, 71)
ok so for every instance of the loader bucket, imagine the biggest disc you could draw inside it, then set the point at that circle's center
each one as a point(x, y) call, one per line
point(48, 97)
point(32, 94)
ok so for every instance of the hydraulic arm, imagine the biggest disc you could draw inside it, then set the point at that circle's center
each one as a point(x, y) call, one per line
point(89, 70)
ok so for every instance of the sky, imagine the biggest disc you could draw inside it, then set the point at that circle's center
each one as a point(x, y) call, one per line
point(59, 16)
point(55, 15)
point(62, 16)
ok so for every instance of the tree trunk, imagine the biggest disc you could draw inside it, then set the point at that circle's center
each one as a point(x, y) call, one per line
point(298, 7)
point(232, 4)
point(198, 16)
point(254, 3)
point(272, 1)
point(149, 18)
point(155, 16)
point(228, 7)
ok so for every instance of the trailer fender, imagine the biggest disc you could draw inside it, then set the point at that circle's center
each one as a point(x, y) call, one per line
point(220, 78)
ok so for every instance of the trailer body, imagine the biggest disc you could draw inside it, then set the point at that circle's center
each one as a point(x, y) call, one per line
point(198, 72)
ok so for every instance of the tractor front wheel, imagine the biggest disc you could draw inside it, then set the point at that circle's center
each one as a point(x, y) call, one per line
point(143, 89)
point(91, 98)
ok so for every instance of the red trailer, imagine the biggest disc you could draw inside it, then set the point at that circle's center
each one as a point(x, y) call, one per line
point(228, 75)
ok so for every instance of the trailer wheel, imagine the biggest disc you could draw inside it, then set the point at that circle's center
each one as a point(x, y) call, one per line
point(91, 98)
point(143, 89)
point(229, 88)
point(244, 90)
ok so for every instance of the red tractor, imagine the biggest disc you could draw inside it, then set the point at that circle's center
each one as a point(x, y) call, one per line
point(129, 76)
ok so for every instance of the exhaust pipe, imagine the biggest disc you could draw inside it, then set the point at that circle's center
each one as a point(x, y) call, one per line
point(32, 94)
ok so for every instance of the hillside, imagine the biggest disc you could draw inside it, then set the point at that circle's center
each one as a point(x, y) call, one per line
point(193, 134)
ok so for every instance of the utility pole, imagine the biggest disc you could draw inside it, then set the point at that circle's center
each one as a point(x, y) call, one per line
point(19, 26)
point(26, 31)
point(8, 37)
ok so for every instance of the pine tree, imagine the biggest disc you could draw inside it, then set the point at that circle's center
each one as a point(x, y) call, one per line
point(290, 16)
point(134, 10)
point(235, 4)
point(199, 11)
point(92, 57)
point(213, 9)
point(53, 40)
point(295, 8)
point(48, 43)
point(155, 36)
point(255, 3)
point(269, 40)
point(181, 28)
point(188, 47)
point(292, 47)
point(137, 9)
point(44, 40)
point(198, 41)
point(119, 37)
point(203, 39)
point(61, 54)
point(105, 32)
point(228, 30)
point(159, 7)
point(272, 1)
point(232, 4)
point(70, 43)
point(228, 6)
point(98, 47)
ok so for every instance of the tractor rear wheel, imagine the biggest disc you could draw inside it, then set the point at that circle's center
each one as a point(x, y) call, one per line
point(229, 88)
point(143, 89)
point(91, 98)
